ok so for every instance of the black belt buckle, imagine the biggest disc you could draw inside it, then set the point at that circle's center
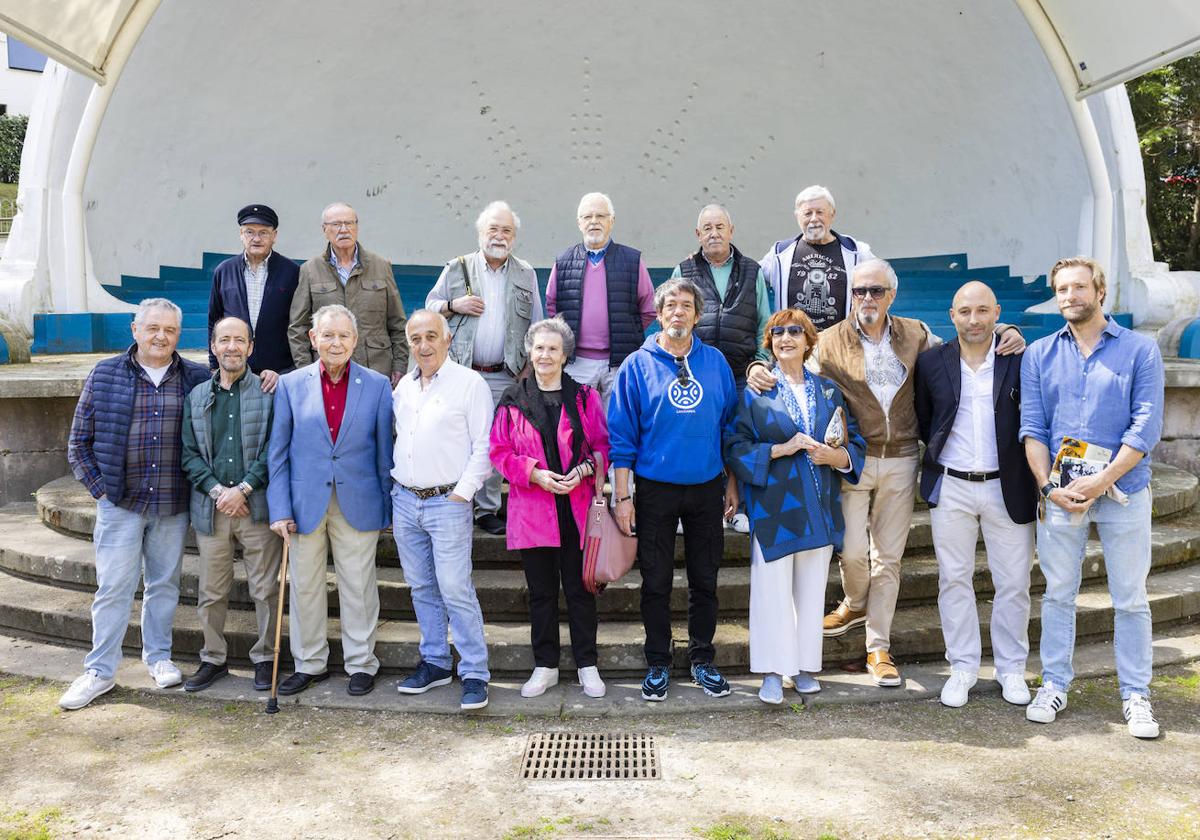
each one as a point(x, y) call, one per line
point(972, 476)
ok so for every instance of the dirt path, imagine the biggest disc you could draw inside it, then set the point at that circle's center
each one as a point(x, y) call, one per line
point(138, 766)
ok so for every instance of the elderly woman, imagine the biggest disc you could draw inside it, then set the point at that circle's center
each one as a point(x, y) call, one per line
point(545, 434)
point(791, 447)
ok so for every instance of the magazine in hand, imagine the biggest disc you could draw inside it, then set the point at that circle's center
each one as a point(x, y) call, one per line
point(1077, 459)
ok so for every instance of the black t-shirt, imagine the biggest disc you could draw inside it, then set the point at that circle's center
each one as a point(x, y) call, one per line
point(817, 283)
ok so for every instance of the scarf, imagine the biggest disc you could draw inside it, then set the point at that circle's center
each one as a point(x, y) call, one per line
point(528, 399)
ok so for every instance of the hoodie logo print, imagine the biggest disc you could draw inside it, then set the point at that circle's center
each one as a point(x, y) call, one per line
point(685, 397)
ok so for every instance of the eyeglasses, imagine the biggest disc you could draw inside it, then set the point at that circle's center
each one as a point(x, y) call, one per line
point(594, 217)
point(683, 374)
point(256, 234)
point(874, 291)
point(340, 225)
point(790, 329)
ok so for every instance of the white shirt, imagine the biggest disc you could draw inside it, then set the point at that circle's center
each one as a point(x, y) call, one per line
point(885, 372)
point(971, 446)
point(156, 374)
point(442, 430)
point(488, 348)
point(256, 285)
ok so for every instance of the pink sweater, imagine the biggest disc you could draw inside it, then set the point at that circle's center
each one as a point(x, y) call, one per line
point(516, 449)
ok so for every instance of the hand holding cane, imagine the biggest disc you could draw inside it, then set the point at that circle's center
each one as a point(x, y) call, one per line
point(273, 703)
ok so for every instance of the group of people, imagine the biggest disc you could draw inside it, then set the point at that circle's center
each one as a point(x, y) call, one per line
point(780, 398)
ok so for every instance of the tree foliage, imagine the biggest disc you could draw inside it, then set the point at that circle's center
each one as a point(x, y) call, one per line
point(12, 138)
point(1166, 108)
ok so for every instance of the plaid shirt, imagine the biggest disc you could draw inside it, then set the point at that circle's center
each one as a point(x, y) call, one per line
point(154, 481)
point(256, 285)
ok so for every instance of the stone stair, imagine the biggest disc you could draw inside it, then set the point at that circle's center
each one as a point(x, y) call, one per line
point(47, 575)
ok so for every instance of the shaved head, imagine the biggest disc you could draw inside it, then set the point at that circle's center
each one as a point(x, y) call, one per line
point(974, 313)
point(975, 292)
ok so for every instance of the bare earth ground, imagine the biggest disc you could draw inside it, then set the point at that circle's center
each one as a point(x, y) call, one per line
point(135, 765)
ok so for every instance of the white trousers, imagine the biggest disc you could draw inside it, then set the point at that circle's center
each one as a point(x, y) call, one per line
point(964, 507)
point(787, 605)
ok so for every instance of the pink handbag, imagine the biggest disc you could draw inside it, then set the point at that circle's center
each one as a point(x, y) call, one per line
point(607, 553)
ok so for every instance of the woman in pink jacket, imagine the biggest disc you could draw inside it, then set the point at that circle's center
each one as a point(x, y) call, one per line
point(545, 434)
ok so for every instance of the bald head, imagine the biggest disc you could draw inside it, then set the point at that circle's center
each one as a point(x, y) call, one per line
point(974, 312)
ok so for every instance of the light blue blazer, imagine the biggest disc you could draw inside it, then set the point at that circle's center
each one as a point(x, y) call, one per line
point(306, 464)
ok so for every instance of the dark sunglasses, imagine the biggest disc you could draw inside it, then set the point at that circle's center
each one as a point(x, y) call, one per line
point(790, 329)
point(874, 291)
point(682, 373)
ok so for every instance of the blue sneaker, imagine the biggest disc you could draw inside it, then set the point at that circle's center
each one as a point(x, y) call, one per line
point(656, 683)
point(772, 689)
point(805, 683)
point(426, 676)
point(705, 675)
point(474, 694)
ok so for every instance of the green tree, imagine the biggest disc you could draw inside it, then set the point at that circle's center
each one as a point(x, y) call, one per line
point(1166, 108)
point(12, 138)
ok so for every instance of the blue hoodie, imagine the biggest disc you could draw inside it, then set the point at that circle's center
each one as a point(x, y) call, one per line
point(663, 430)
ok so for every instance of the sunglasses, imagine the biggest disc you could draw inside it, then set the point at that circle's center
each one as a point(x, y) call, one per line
point(682, 373)
point(790, 329)
point(874, 291)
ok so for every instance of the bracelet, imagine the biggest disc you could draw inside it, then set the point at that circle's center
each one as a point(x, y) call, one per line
point(624, 499)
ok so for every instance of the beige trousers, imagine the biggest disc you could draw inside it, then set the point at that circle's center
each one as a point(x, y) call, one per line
point(878, 513)
point(358, 594)
point(261, 552)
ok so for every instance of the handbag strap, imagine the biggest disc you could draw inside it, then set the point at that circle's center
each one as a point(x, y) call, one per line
point(599, 476)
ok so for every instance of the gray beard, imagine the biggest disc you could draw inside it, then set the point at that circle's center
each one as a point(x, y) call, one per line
point(496, 252)
point(677, 333)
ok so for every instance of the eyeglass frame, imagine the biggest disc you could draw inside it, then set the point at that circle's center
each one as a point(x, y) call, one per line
point(876, 292)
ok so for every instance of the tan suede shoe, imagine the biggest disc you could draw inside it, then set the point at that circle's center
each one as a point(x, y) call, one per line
point(882, 669)
point(842, 620)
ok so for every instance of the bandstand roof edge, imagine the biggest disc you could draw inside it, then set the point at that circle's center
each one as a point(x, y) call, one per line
point(1107, 41)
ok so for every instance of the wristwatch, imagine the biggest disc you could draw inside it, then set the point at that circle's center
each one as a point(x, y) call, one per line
point(245, 488)
point(1047, 489)
point(215, 492)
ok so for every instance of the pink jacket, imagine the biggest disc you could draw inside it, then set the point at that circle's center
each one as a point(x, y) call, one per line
point(516, 449)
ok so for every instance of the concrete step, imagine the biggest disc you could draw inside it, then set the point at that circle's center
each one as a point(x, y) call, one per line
point(63, 615)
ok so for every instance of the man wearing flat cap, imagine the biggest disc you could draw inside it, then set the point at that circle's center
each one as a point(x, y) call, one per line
point(257, 286)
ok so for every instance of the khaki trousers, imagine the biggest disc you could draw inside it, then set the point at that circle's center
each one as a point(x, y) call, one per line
point(261, 552)
point(878, 513)
point(358, 594)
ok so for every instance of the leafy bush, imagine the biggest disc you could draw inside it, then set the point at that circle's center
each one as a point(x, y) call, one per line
point(12, 138)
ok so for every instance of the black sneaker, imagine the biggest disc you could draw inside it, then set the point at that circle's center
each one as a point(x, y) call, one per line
point(705, 675)
point(656, 683)
point(491, 523)
point(262, 675)
point(206, 676)
point(426, 676)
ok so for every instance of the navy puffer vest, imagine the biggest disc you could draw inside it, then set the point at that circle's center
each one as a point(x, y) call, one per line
point(730, 325)
point(625, 333)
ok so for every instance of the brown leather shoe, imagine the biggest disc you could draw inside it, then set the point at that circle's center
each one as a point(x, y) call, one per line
point(882, 669)
point(843, 620)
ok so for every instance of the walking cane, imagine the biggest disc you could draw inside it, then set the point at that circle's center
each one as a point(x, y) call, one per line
point(273, 703)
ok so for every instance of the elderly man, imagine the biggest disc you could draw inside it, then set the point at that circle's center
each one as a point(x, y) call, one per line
point(125, 448)
point(490, 298)
point(603, 291)
point(330, 456)
point(811, 270)
point(351, 276)
point(443, 413)
point(1102, 385)
point(672, 399)
point(257, 286)
point(974, 476)
point(226, 427)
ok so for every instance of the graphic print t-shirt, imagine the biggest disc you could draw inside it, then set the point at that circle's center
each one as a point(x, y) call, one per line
point(817, 283)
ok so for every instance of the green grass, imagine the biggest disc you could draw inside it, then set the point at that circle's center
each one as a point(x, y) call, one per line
point(21, 825)
point(8, 191)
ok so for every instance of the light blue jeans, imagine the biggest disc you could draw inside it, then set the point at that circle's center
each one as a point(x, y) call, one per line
point(1125, 538)
point(128, 546)
point(433, 538)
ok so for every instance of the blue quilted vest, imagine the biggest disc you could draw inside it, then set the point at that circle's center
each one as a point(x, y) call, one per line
point(625, 333)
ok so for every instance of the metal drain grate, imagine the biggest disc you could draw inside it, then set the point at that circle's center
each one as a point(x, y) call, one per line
point(591, 755)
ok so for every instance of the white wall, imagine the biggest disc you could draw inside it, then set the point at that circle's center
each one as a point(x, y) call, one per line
point(938, 126)
point(17, 87)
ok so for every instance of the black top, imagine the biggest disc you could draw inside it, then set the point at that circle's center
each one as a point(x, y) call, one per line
point(817, 283)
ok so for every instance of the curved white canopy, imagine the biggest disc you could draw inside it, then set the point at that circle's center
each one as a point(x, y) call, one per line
point(77, 33)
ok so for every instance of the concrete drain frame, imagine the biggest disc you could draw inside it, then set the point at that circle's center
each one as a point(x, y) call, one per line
point(590, 756)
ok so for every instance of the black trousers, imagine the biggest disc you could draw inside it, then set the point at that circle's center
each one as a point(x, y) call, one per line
point(543, 569)
point(659, 507)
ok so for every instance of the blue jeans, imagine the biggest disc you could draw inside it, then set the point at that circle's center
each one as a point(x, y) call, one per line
point(1125, 538)
point(125, 542)
point(433, 538)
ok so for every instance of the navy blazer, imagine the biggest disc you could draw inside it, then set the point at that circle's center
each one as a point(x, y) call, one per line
point(227, 299)
point(938, 387)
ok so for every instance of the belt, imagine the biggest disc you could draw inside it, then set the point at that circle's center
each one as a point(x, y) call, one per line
point(428, 492)
point(971, 476)
point(488, 368)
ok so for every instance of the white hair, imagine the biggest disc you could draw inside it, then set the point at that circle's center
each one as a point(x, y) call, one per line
point(554, 325)
point(876, 264)
point(495, 207)
point(720, 207)
point(816, 191)
point(437, 315)
point(149, 304)
point(332, 310)
point(594, 195)
point(329, 207)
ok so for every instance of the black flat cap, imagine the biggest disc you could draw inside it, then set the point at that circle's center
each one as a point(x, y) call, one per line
point(258, 214)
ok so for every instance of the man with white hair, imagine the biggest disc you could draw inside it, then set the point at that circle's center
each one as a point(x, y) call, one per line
point(811, 271)
point(603, 291)
point(126, 448)
point(489, 298)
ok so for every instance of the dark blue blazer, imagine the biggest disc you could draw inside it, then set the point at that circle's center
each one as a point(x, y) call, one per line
point(228, 299)
point(938, 388)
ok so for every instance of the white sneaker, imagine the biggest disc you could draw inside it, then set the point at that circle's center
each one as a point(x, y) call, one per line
point(165, 673)
point(84, 690)
point(740, 523)
point(589, 678)
point(954, 692)
point(1014, 689)
point(1140, 717)
point(539, 681)
point(1046, 705)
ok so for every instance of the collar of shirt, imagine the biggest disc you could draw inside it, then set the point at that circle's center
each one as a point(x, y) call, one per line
point(596, 257)
point(728, 259)
point(1111, 327)
point(483, 264)
point(333, 260)
point(132, 360)
point(988, 363)
point(262, 266)
point(327, 378)
point(886, 338)
point(216, 381)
